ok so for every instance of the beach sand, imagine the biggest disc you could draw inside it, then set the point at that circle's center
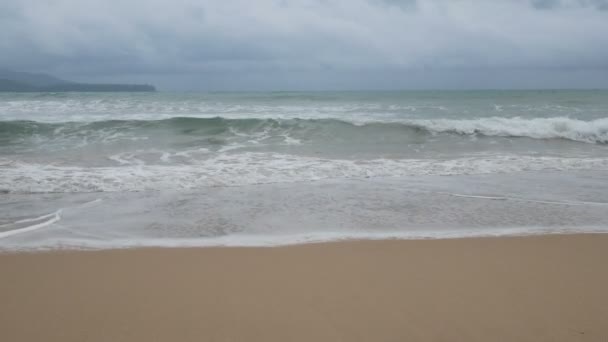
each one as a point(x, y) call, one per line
point(543, 288)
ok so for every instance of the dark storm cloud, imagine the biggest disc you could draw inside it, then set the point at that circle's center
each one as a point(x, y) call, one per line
point(236, 42)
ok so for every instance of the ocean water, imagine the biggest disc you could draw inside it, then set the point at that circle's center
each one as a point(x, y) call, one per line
point(104, 170)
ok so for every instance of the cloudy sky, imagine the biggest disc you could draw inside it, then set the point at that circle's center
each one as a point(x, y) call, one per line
point(311, 44)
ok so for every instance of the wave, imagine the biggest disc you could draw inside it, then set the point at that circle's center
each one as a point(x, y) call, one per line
point(31, 224)
point(595, 131)
point(278, 240)
point(260, 168)
point(592, 132)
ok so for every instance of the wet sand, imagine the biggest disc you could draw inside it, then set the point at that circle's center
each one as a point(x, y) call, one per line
point(543, 288)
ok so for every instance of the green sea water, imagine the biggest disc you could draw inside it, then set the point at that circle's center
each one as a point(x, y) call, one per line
point(370, 156)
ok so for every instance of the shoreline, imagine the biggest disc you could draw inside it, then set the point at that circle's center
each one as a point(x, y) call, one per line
point(524, 288)
point(252, 241)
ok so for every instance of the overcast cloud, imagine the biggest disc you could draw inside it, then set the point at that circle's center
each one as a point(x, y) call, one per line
point(322, 44)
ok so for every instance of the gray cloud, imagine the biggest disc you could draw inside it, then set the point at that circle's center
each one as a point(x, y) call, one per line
point(552, 4)
point(244, 44)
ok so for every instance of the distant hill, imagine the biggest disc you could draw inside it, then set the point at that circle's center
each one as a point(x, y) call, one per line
point(10, 85)
point(14, 81)
point(37, 80)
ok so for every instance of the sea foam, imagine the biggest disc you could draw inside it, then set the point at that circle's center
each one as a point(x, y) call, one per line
point(261, 168)
point(594, 131)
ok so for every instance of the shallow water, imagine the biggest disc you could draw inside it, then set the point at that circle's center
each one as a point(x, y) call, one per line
point(113, 170)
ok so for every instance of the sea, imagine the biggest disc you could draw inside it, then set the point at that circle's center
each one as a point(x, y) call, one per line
point(120, 170)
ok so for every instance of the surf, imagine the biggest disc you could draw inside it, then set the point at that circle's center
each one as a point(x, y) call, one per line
point(591, 132)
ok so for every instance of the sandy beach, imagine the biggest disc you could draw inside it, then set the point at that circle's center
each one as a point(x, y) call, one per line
point(543, 288)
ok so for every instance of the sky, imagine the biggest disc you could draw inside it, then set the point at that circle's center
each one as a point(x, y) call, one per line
point(311, 45)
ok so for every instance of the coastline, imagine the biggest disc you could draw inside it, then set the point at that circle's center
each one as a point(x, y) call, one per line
point(532, 288)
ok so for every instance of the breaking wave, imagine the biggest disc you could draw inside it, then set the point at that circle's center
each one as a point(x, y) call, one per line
point(592, 132)
point(260, 168)
point(595, 131)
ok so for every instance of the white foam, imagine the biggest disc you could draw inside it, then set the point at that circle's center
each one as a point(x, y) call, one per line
point(594, 131)
point(260, 168)
point(291, 140)
point(124, 108)
point(245, 240)
point(518, 199)
point(51, 218)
